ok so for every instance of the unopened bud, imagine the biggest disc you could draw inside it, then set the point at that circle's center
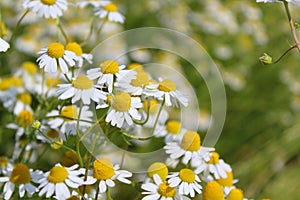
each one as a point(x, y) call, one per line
point(36, 125)
point(266, 59)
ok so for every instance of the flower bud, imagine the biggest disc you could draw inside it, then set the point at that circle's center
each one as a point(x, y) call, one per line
point(36, 125)
point(266, 59)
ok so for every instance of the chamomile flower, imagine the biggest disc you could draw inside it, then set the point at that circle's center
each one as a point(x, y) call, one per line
point(227, 183)
point(5, 165)
point(21, 177)
point(23, 102)
point(46, 8)
point(81, 88)
point(187, 181)
point(65, 119)
point(76, 48)
point(58, 180)
point(172, 131)
point(235, 194)
point(54, 55)
point(213, 191)
point(160, 190)
point(159, 169)
point(123, 108)
point(166, 89)
point(215, 166)
point(105, 173)
point(110, 10)
point(188, 149)
point(107, 71)
point(3, 45)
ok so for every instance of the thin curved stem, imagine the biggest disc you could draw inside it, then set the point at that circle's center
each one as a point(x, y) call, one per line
point(17, 25)
point(62, 30)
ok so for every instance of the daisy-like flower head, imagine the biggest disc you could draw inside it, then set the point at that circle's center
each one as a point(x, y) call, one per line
point(5, 165)
point(46, 8)
point(110, 10)
point(227, 183)
point(160, 190)
point(25, 118)
point(166, 89)
point(107, 71)
point(20, 176)
point(106, 173)
point(213, 191)
point(187, 181)
point(76, 48)
point(123, 108)
point(217, 166)
point(23, 102)
point(54, 55)
point(158, 168)
point(172, 131)
point(3, 45)
point(58, 180)
point(65, 119)
point(236, 194)
point(81, 88)
point(188, 148)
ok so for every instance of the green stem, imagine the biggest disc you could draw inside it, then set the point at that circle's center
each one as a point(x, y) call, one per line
point(17, 25)
point(158, 114)
point(136, 137)
point(62, 30)
point(66, 76)
point(78, 137)
point(97, 191)
point(90, 32)
point(288, 50)
point(108, 197)
point(293, 29)
point(147, 117)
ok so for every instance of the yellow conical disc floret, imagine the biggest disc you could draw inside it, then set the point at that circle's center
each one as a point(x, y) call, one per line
point(30, 67)
point(213, 191)
point(158, 168)
point(25, 118)
point(141, 80)
point(56, 50)
point(228, 181)
point(111, 7)
point(187, 175)
point(153, 106)
point(103, 169)
point(235, 194)
point(190, 141)
point(69, 112)
point(167, 86)
point(121, 102)
point(58, 174)
point(74, 47)
point(166, 191)
point(20, 174)
point(48, 2)
point(82, 82)
point(173, 127)
point(25, 98)
point(109, 67)
point(214, 158)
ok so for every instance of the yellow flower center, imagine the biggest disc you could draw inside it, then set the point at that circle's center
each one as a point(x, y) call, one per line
point(141, 80)
point(135, 66)
point(16, 81)
point(235, 194)
point(73, 198)
point(30, 67)
point(69, 112)
point(190, 141)
point(109, 99)
point(3, 161)
point(158, 168)
point(228, 181)
point(167, 86)
point(56, 50)
point(214, 159)
point(52, 82)
point(74, 47)
point(121, 102)
point(25, 98)
point(69, 159)
point(153, 106)
point(5, 84)
point(58, 174)
point(111, 7)
point(187, 175)
point(82, 82)
point(166, 191)
point(48, 2)
point(103, 169)
point(3, 29)
point(52, 133)
point(25, 118)
point(20, 174)
point(173, 127)
point(109, 67)
point(213, 191)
